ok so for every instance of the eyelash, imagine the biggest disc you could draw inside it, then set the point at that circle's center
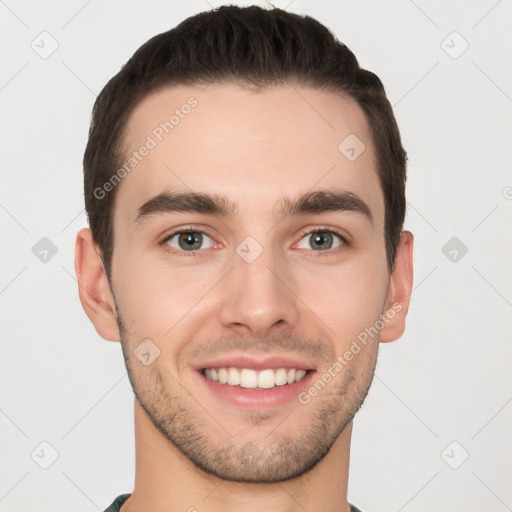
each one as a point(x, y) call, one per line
point(191, 229)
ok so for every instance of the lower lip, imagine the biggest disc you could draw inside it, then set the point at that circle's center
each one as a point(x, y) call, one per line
point(258, 398)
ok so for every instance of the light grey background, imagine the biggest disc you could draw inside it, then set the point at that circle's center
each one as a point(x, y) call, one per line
point(447, 380)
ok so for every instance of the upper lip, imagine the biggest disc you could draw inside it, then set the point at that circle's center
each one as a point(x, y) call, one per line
point(254, 362)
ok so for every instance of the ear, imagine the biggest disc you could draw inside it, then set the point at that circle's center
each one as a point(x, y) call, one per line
point(93, 287)
point(399, 291)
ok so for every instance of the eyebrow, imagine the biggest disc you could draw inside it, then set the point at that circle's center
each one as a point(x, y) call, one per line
point(316, 202)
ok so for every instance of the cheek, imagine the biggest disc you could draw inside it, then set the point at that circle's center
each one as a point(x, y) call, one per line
point(347, 299)
point(155, 299)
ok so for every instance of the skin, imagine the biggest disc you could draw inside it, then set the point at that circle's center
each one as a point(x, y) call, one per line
point(195, 450)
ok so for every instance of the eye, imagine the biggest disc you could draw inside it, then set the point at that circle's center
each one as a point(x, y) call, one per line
point(321, 241)
point(189, 241)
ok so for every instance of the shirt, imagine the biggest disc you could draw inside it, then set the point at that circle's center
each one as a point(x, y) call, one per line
point(116, 505)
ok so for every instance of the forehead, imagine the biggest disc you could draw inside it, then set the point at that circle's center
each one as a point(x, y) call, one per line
point(252, 145)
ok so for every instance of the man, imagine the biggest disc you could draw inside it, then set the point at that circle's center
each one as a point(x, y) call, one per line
point(244, 182)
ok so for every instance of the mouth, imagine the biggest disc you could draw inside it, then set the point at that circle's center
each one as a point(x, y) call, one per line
point(257, 384)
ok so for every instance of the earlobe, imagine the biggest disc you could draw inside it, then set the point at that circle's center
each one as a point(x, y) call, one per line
point(399, 292)
point(93, 287)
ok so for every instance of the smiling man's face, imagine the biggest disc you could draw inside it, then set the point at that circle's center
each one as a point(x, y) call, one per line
point(248, 247)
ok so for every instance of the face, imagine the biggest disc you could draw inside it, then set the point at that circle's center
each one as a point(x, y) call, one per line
point(248, 257)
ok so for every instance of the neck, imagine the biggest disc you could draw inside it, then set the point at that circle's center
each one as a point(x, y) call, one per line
point(166, 481)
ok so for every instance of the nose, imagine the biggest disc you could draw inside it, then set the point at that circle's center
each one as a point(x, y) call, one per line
point(258, 296)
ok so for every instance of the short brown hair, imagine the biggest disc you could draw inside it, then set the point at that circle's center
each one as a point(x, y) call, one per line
point(248, 45)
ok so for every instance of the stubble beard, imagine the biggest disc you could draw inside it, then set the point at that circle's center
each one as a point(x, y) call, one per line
point(184, 423)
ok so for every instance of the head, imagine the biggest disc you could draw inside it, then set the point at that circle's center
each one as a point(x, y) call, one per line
point(245, 188)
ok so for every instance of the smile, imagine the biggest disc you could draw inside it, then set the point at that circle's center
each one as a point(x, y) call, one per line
point(252, 379)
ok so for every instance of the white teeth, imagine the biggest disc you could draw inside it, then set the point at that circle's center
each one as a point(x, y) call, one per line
point(281, 376)
point(223, 375)
point(248, 378)
point(233, 377)
point(300, 375)
point(266, 379)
